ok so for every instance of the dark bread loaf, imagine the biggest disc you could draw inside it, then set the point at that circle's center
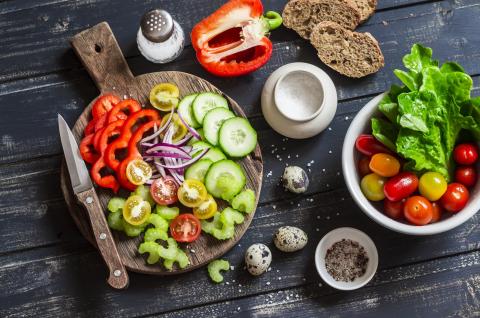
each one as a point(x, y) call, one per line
point(350, 53)
point(303, 15)
point(365, 7)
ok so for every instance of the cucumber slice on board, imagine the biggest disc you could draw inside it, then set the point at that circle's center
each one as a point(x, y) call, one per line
point(198, 146)
point(185, 110)
point(213, 121)
point(214, 154)
point(198, 170)
point(205, 102)
point(236, 137)
point(225, 179)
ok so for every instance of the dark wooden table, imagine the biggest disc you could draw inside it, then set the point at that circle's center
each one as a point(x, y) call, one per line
point(47, 269)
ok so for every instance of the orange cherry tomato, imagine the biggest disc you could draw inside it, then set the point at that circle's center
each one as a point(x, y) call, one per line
point(437, 211)
point(418, 210)
point(384, 165)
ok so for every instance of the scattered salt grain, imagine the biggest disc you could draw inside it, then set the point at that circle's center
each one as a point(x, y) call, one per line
point(268, 283)
point(232, 268)
point(274, 206)
point(317, 229)
point(329, 128)
point(329, 151)
point(346, 117)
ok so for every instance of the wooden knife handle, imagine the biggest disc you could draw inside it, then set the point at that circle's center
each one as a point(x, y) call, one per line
point(118, 277)
point(99, 52)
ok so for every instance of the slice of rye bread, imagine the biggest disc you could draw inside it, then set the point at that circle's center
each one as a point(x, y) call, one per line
point(366, 8)
point(303, 15)
point(350, 53)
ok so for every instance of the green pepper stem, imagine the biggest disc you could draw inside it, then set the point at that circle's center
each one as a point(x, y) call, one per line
point(273, 19)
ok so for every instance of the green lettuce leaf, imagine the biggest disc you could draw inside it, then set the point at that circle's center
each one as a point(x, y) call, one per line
point(385, 132)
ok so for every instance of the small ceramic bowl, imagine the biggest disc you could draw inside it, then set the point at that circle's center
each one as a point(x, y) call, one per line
point(296, 83)
point(361, 125)
point(355, 235)
point(299, 95)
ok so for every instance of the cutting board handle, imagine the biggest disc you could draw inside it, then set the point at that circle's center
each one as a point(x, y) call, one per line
point(99, 52)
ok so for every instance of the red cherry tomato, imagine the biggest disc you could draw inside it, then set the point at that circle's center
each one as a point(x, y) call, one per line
point(401, 186)
point(466, 175)
point(437, 211)
point(185, 228)
point(164, 190)
point(465, 154)
point(368, 145)
point(363, 166)
point(418, 210)
point(455, 198)
point(393, 209)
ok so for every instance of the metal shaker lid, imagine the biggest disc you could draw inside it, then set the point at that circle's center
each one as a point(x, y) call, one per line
point(157, 25)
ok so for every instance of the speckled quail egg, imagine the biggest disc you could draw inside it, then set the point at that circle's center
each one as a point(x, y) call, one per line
point(295, 179)
point(257, 259)
point(290, 239)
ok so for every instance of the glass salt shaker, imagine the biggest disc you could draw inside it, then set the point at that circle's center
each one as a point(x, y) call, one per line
point(160, 38)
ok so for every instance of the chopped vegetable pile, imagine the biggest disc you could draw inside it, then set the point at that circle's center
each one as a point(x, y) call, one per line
point(186, 157)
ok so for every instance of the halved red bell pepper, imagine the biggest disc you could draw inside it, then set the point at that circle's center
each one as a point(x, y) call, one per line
point(232, 41)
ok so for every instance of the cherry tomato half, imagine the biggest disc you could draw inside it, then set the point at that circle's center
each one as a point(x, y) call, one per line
point(455, 198)
point(465, 154)
point(185, 228)
point(369, 145)
point(192, 193)
point(437, 211)
point(103, 104)
point(418, 210)
point(138, 172)
point(363, 168)
point(136, 210)
point(401, 186)
point(466, 175)
point(432, 185)
point(384, 165)
point(393, 209)
point(372, 187)
point(206, 209)
point(164, 190)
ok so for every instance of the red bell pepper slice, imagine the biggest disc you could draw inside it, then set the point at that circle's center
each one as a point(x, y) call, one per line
point(127, 130)
point(103, 104)
point(87, 150)
point(232, 41)
point(118, 111)
point(108, 132)
point(108, 181)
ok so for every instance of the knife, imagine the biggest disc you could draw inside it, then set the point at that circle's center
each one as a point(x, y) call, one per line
point(86, 195)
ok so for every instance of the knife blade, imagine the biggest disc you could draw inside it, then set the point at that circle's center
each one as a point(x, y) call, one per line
point(76, 166)
point(86, 195)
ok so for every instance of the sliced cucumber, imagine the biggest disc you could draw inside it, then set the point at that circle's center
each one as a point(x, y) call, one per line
point(225, 179)
point(214, 154)
point(198, 170)
point(244, 201)
point(185, 110)
point(212, 122)
point(198, 146)
point(205, 102)
point(237, 137)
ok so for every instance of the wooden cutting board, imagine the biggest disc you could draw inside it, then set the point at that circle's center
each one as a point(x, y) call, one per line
point(99, 52)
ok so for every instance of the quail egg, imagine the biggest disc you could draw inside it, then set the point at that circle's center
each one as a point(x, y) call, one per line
point(257, 259)
point(295, 179)
point(290, 239)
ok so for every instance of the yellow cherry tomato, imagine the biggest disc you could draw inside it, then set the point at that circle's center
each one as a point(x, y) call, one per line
point(180, 129)
point(192, 193)
point(384, 165)
point(136, 210)
point(206, 209)
point(138, 172)
point(432, 185)
point(372, 187)
point(164, 96)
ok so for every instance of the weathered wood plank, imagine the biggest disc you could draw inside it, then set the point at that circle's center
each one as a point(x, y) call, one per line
point(35, 33)
point(58, 283)
point(448, 287)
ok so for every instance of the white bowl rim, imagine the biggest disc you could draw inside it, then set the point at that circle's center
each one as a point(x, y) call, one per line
point(355, 235)
point(353, 185)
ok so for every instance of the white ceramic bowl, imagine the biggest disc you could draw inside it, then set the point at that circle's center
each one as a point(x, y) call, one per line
point(355, 235)
point(361, 125)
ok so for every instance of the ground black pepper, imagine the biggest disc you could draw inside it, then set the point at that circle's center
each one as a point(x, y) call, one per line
point(346, 260)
